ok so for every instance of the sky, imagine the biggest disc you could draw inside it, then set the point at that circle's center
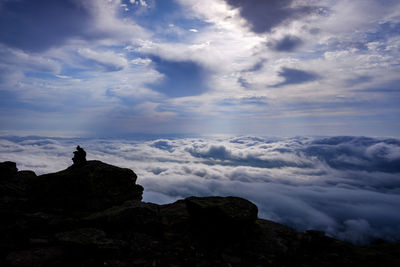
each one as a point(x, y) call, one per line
point(115, 68)
point(292, 104)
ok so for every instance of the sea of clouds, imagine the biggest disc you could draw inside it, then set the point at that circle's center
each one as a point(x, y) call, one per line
point(348, 187)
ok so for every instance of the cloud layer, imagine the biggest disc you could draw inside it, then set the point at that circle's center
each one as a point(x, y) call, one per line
point(348, 187)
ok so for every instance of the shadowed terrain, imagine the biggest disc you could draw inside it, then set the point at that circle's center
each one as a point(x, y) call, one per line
point(91, 214)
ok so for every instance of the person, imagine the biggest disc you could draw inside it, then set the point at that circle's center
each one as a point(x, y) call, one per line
point(79, 156)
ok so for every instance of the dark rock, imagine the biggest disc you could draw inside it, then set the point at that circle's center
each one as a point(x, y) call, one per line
point(91, 215)
point(92, 186)
point(13, 187)
point(132, 215)
point(218, 221)
point(25, 176)
point(8, 169)
point(174, 214)
point(222, 210)
point(13, 182)
point(89, 237)
point(38, 241)
point(38, 257)
point(22, 181)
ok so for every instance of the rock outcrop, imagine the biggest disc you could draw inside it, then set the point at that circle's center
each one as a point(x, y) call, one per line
point(91, 186)
point(91, 214)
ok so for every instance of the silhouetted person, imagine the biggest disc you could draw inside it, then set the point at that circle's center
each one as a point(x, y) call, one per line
point(79, 156)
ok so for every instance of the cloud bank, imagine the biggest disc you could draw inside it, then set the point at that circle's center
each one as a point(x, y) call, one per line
point(348, 187)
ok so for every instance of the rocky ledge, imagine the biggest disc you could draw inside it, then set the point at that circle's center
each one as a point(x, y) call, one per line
point(91, 214)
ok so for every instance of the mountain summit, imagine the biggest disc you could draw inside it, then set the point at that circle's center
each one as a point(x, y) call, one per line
point(91, 214)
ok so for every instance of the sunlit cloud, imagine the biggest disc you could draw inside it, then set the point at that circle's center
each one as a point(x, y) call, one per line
point(201, 61)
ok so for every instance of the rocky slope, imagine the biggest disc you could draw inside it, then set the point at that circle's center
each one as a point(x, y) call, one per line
point(91, 214)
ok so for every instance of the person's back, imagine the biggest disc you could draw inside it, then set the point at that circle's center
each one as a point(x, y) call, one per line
point(79, 156)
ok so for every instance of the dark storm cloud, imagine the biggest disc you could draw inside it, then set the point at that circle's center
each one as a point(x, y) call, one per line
point(359, 80)
point(39, 25)
point(361, 153)
point(295, 76)
point(157, 170)
point(314, 31)
point(256, 67)
point(244, 83)
point(213, 152)
point(347, 186)
point(254, 159)
point(289, 43)
point(264, 15)
point(164, 145)
point(181, 78)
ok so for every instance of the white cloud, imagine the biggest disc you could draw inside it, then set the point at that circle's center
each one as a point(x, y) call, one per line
point(18, 60)
point(346, 45)
point(108, 60)
point(229, 49)
point(346, 186)
point(144, 61)
point(143, 2)
point(110, 28)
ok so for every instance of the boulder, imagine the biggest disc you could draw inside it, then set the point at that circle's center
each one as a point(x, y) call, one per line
point(133, 215)
point(222, 209)
point(221, 218)
point(92, 186)
point(8, 169)
point(13, 187)
point(91, 238)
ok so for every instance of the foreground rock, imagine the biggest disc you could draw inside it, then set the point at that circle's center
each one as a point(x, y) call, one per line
point(91, 186)
point(91, 214)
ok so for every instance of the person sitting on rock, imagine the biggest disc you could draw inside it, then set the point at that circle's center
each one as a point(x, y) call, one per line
point(79, 156)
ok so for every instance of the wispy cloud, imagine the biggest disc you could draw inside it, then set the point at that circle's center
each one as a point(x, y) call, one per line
point(189, 61)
